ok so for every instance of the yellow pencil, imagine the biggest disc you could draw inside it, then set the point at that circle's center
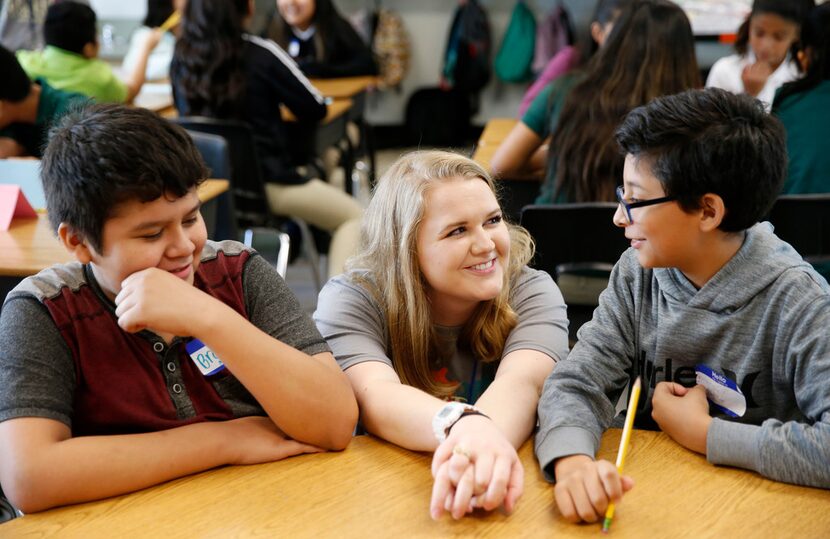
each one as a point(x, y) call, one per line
point(626, 437)
point(171, 21)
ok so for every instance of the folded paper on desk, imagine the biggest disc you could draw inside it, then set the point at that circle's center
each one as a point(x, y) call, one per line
point(25, 173)
point(13, 204)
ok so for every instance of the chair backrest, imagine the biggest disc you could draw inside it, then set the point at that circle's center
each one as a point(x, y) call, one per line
point(574, 237)
point(251, 205)
point(803, 221)
point(214, 150)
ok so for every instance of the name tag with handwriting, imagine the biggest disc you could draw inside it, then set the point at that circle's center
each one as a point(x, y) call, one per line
point(721, 391)
point(204, 358)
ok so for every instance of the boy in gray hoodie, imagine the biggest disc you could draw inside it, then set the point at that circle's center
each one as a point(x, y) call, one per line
point(724, 322)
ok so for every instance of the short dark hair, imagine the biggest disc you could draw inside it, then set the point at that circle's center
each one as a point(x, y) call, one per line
point(104, 155)
point(69, 26)
point(17, 85)
point(157, 12)
point(790, 10)
point(711, 141)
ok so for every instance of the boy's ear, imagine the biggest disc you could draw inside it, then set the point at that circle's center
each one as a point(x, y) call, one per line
point(90, 50)
point(712, 211)
point(75, 244)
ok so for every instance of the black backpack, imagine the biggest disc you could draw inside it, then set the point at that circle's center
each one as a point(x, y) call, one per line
point(438, 117)
point(467, 56)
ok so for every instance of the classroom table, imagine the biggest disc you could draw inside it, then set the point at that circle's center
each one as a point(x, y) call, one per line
point(158, 97)
point(337, 109)
point(375, 489)
point(344, 87)
point(29, 245)
point(514, 193)
point(354, 88)
point(493, 135)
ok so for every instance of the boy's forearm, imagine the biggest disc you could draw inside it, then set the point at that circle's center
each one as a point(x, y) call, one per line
point(307, 397)
point(136, 78)
point(792, 452)
point(93, 467)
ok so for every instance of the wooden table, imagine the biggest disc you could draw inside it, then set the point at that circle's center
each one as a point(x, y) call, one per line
point(30, 245)
point(343, 87)
point(515, 193)
point(336, 109)
point(354, 88)
point(374, 489)
point(493, 135)
point(158, 97)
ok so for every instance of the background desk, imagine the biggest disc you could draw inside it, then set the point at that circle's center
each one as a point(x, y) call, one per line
point(30, 245)
point(158, 97)
point(339, 88)
point(491, 137)
point(514, 193)
point(374, 489)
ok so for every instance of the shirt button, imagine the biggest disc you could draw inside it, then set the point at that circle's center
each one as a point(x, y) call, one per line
point(171, 367)
point(177, 388)
point(158, 347)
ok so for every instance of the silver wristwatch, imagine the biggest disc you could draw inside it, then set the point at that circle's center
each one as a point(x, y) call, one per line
point(446, 417)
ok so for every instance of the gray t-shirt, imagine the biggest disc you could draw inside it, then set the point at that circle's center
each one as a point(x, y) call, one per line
point(354, 325)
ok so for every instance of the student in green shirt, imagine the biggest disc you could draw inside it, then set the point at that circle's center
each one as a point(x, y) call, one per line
point(69, 61)
point(28, 109)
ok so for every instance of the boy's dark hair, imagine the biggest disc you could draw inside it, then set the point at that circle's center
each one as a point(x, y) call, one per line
point(17, 85)
point(101, 156)
point(69, 26)
point(157, 12)
point(711, 141)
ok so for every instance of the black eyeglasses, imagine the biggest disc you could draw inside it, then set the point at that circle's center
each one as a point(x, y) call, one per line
point(628, 206)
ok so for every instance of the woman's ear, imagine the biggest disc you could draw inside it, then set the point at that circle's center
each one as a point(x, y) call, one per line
point(712, 212)
point(75, 244)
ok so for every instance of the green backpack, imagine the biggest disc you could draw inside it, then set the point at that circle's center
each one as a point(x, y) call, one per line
point(515, 56)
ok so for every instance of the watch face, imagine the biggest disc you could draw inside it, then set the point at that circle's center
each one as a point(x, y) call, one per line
point(445, 411)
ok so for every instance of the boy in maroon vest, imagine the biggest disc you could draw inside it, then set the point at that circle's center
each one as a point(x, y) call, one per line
point(158, 353)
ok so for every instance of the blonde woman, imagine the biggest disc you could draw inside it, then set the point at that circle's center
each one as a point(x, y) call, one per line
point(444, 333)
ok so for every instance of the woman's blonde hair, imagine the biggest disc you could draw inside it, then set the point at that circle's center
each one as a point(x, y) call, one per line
point(388, 251)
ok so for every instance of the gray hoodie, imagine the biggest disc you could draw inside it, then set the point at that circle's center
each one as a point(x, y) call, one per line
point(762, 321)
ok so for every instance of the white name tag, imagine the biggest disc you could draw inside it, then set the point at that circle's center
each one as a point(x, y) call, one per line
point(204, 358)
point(721, 391)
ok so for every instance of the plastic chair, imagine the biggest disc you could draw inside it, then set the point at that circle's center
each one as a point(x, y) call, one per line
point(803, 221)
point(578, 245)
point(228, 150)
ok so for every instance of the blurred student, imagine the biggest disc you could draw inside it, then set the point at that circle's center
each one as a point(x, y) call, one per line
point(69, 61)
point(220, 71)
point(28, 109)
point(566, 136)
point(766, 46)
point(803, 106)
point(724, 322)
point(158, 353)
point(571, 56)
point(320, 40)
point(444, 332)
point(158, 63)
